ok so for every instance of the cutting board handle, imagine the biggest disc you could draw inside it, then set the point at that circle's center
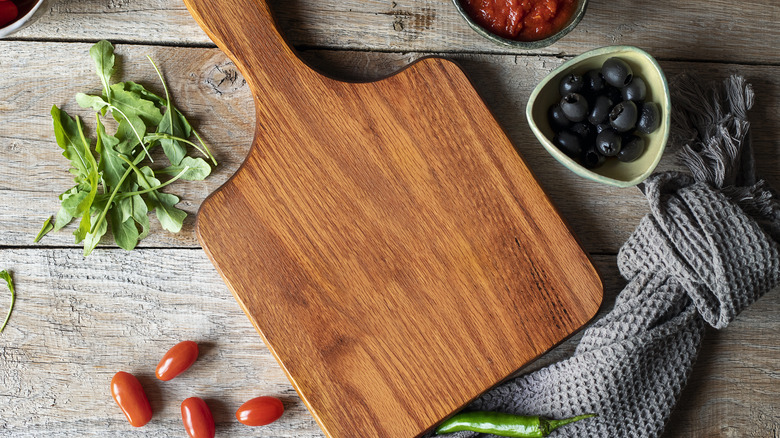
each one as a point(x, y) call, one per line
point(248, 28)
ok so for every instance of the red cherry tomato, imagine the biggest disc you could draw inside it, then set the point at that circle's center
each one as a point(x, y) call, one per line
point(196, 415)
point(260, 411)
point(130, 396)
point(8, 12)
point(177, 360)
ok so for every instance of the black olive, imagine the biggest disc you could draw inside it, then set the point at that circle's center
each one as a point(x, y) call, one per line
point(592, 159)
point(649, 117)
point(602, 126)
point(585, 130)
point(608, 142)
point(623, 116)
point(636, 90)
point(571, 83)
point(632, 149)
point(557, 118)
point(617, 72)
point(569, 143)
point(594, 81)
point(614, 93)
point(600, 111)
point(575, 107)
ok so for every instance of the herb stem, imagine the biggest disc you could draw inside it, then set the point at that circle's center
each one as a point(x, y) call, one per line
point(151, 189)
point(115, 191)
point(165, 87)
point(141, 177)
point(208, 152)
point(169, 107)
point(163, 136)
point(169, 113)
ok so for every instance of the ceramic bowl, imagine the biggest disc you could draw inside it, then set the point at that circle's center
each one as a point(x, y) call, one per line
point(29, 11)
point(613, 172)
point(579, 12)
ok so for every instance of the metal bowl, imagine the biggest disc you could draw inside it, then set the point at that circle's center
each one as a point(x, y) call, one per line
point(579, 12)
point(38, 9)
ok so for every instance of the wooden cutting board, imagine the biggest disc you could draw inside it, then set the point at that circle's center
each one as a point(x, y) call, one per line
point(386, 239)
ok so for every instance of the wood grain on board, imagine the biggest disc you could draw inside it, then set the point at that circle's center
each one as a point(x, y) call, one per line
point(385, 238)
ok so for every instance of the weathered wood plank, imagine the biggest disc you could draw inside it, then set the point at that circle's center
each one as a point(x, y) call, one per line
point(78, 321)
point(702, 30)
point(206, 86)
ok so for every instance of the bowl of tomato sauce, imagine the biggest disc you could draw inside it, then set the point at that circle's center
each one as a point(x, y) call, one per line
point(526, 24)
point(16, 14)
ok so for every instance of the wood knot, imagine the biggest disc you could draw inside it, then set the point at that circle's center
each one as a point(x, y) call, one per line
point(412, 22)
point(224, 78)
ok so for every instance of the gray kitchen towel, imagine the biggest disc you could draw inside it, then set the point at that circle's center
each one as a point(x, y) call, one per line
point(707, 250)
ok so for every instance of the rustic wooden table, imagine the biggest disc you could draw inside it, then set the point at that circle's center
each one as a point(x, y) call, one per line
point(79, 320)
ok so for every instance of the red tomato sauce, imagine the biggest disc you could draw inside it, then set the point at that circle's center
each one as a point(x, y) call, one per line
point(522, 20)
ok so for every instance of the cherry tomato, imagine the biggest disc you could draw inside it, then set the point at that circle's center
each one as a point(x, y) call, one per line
point(177, 360)
point(260, 411)
point(130, 396)
point(8, 12)
point(196, 415)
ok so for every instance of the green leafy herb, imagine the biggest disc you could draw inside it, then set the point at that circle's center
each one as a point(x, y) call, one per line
point(7, 277)
point(113, 188)
point(47, 226)
point(103, 55)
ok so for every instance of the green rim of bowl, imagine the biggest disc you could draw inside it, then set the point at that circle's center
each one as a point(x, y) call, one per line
point(538, 44)
point(574, 166)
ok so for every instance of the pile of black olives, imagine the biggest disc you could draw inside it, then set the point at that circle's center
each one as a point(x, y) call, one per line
point(601, 114)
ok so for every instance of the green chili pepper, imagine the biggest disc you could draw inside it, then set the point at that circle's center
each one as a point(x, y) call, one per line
point(501, 424)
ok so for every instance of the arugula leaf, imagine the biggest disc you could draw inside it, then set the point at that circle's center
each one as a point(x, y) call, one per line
point(111, 166)
point(69, 207)
point(171, 124)
point(132, 106)
point(137, 112)
point(170, 217)
point(146, 94)
point(67, 134)
point(102, 54)
point(126, 133)
point(65, 215)
point(182, 122)
point(140, 215)
point(92, 177)
point(7, 277)
point(104, 195)
point(198, 170)
point(123, 225)
point(95, 102)
point(93, 238)
point(47, 226)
